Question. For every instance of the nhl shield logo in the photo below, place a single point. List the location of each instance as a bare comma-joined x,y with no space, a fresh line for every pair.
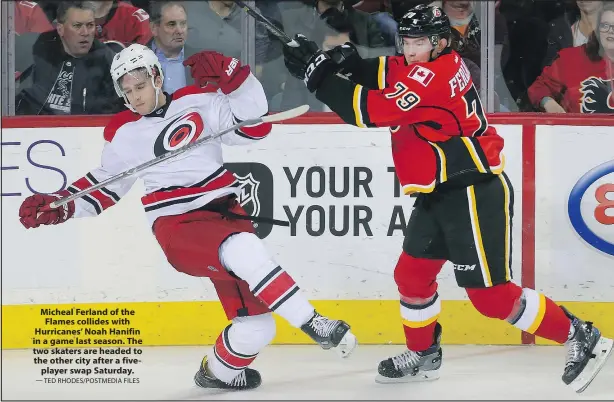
256,192
249,193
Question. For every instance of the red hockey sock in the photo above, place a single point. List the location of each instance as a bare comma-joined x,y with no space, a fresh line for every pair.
555,324
419,339
419,322
525,308
539,315
420,303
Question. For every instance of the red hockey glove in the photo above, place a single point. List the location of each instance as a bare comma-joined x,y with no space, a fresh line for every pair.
32,214
210,66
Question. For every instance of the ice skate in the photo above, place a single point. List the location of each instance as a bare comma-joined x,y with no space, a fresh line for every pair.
248,379
412,366
587,352
331,334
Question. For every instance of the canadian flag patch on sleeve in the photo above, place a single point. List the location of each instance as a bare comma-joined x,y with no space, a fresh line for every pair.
421,74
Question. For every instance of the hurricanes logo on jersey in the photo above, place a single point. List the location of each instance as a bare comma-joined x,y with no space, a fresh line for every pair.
183,130
596,96
249,193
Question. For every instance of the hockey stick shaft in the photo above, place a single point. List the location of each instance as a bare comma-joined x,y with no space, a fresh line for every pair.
288,114
267,24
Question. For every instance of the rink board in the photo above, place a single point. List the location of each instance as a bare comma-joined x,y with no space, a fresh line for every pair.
312,172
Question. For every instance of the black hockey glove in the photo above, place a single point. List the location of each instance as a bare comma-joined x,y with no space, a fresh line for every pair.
346,57
307,62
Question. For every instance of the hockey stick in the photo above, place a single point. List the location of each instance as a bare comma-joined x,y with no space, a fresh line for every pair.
267,24
288,114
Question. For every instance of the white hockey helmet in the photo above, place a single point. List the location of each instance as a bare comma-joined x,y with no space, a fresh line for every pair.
131,58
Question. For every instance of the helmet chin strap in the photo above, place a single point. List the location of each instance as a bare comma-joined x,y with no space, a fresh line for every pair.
434,42
432,56
153,79
157,100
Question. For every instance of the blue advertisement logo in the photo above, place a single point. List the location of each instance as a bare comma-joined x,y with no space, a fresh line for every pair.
575,202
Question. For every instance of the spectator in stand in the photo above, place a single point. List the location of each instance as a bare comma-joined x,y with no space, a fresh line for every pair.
466,39
144,4
219,29
465,28
466,32
71,72
121,22
572,28
527,22
579,80
30,21
169,26
338,30
309,21
30,18
381,11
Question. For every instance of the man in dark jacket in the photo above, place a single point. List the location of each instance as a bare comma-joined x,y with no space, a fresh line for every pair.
71,73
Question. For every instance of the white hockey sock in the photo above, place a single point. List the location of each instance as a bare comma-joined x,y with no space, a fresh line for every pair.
239,344
245,255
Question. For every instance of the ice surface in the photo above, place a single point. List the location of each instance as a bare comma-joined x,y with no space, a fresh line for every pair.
309,373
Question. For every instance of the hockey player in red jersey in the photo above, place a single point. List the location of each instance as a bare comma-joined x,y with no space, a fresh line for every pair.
122,22
444,151
191,203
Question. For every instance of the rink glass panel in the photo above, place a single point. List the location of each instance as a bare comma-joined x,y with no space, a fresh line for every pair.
511,40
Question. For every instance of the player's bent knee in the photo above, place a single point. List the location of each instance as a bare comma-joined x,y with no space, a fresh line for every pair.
416,277
497,301
245,255
251,334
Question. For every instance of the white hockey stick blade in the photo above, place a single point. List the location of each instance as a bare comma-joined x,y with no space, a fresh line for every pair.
286,115
421,376
602,351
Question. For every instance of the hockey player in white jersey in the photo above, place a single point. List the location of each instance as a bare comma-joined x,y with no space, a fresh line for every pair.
190,201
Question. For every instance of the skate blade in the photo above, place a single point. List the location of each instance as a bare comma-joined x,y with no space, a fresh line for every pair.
602,351
205,384
347,345
422,376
